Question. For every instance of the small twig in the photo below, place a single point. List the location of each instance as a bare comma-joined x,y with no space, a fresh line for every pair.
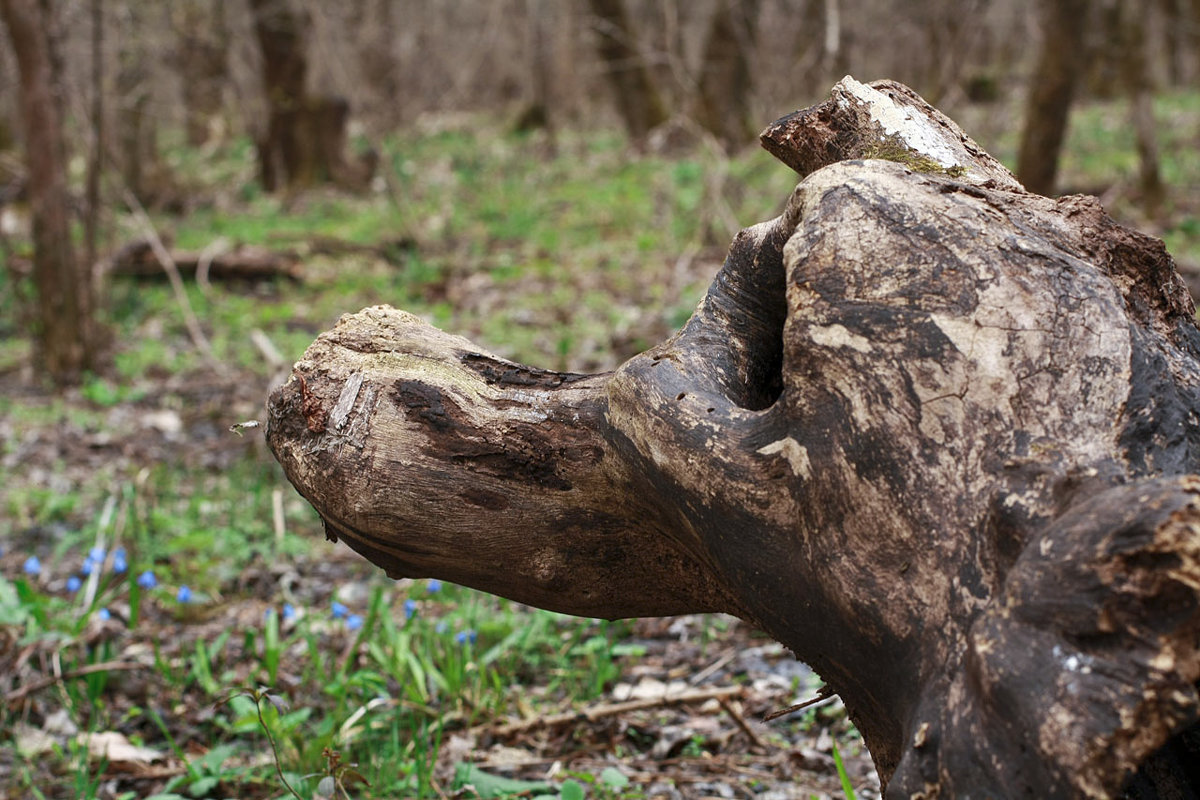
700,676
824,693
87,669
267,349
599,712
168,264
217,248
739,721
274,750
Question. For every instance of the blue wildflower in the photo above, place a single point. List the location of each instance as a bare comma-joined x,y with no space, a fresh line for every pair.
104,615
339,610
89,566
354,622
119,564
73,583
147,580
466,637
184,595
32,566
434,585
97,554
289,612
410,608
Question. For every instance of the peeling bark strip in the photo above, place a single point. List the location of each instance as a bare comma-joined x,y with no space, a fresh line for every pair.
935,434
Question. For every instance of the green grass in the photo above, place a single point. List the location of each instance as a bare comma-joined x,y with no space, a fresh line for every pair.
843,778
432,657
551,259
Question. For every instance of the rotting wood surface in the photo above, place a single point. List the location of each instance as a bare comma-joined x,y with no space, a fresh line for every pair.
935,434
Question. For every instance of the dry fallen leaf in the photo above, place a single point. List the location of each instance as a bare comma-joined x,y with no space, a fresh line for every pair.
647,689
31,741
116,748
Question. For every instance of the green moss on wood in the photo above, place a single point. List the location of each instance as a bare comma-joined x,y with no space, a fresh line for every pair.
892,149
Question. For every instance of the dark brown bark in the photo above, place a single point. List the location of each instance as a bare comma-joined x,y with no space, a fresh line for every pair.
1051,92
7,131
202,63
305,138
66,330
934,433
282,157
723,97
634,92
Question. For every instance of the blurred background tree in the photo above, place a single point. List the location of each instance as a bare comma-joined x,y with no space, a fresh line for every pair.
202,55
319,87
64,327
223,67
1051,91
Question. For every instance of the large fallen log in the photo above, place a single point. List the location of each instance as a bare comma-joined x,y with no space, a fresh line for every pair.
242,263
935,434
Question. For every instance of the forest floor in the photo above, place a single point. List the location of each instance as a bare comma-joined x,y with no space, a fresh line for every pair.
162,586
117,688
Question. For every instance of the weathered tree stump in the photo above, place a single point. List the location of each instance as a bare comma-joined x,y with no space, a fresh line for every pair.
935,434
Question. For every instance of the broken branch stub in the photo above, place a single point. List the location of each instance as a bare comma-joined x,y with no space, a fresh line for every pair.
935,434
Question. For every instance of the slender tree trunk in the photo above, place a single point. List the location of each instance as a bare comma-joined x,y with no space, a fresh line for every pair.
1190,13
723,99
637,98
136,125
536,113
7,125
1139,85
95,156
66,329
282,155
1051,92
833,53
203,64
